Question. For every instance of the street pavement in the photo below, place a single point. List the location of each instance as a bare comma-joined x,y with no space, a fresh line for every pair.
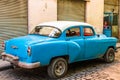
85,70
118,45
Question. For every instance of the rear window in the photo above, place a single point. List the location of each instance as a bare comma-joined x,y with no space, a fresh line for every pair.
46,31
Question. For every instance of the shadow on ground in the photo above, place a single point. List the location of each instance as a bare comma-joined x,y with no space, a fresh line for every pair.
41,73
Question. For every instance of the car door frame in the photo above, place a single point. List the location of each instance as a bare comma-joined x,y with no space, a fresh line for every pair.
91,51
71,41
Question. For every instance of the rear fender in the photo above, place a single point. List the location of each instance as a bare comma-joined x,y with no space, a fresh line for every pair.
44,52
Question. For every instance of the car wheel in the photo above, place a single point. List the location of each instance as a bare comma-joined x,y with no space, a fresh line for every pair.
109,55
58,68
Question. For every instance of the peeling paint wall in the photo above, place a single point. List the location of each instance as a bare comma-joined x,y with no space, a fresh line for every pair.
94,14
41,11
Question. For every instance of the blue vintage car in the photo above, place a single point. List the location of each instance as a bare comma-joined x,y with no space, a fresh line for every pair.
56,44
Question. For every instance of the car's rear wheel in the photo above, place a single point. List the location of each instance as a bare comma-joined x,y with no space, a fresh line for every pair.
109,55
58,68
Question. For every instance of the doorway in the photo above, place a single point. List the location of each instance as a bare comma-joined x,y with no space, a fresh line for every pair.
111,21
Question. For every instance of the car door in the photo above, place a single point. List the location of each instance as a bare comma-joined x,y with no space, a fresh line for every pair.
75,43
91,43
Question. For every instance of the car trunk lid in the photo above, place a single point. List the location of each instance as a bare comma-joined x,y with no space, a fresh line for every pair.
18,46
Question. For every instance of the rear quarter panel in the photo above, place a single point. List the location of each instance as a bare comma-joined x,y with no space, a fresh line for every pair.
44,52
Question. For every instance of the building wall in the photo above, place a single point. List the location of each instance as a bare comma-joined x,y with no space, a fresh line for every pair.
111,6
41,11
46,10
94,14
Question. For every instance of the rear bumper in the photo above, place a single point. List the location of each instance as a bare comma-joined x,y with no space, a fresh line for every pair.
15,61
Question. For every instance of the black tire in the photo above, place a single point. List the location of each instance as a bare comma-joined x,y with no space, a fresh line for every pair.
109,55
57,68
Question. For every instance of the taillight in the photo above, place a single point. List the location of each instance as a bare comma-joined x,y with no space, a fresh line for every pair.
29,51
3,44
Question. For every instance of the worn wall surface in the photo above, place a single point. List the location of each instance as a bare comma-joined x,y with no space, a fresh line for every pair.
41,11
111,6
46,10
94,14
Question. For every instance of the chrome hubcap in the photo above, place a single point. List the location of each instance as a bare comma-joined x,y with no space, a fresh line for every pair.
111,56
59,68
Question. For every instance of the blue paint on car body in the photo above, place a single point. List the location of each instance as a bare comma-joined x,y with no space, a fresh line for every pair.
45,48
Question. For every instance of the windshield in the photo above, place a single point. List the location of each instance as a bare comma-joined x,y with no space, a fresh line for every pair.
46,31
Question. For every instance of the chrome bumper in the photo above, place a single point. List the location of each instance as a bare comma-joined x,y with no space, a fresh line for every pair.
15,61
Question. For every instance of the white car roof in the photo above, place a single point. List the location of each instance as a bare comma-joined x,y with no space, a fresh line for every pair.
62,25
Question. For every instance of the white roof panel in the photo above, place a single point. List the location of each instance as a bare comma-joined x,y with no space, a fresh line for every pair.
62,25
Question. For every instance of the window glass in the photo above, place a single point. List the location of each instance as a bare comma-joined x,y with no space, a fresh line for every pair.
73,32
88,32
46,31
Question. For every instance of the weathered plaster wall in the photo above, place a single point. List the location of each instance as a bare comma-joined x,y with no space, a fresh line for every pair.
111,5
41,11
94,14
46,10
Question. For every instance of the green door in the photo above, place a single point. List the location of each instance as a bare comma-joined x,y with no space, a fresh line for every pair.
71,10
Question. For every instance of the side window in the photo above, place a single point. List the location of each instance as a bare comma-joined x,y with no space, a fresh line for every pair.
88,31
73,32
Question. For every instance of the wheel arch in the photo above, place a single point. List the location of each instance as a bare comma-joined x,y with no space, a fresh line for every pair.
111,47
108,48
66,57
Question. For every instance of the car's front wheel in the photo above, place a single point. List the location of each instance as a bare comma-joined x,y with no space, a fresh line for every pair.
58,68
109,55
